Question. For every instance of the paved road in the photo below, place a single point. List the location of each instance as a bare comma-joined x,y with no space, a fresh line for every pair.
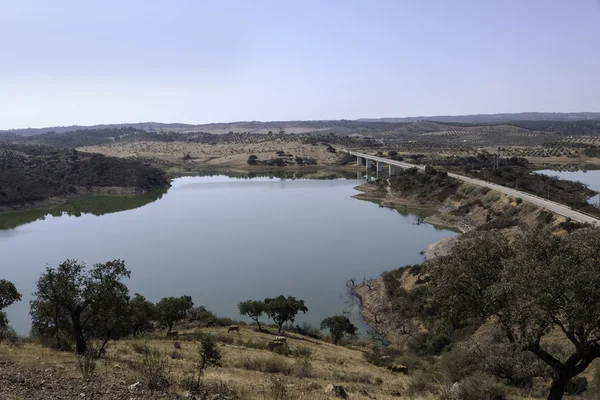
539,201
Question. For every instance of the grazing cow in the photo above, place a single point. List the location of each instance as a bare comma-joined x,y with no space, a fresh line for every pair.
173,334
398,368
177,345
234,328
280,339
210,323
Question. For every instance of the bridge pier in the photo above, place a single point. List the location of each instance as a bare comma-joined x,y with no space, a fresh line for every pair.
379,166
368,164
392,170
359,161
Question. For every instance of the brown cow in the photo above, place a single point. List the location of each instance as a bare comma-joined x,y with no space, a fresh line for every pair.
234,328
173,334
398,368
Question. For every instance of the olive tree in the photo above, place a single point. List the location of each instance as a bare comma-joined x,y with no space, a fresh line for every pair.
253,309
281,309
339,325
540,284
173,309
81,304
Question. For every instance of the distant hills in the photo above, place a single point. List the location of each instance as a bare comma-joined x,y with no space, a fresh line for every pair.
494,118
342,126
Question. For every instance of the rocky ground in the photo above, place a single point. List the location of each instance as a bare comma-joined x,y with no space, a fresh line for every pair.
19,382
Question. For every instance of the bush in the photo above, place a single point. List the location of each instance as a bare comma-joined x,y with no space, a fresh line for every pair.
141,348
272,365
422,383
87,363
153,369
302,352
210,355
303,368
481,387
282,350
576,385
223,338
519,200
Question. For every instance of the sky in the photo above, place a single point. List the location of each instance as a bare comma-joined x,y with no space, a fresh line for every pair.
84,62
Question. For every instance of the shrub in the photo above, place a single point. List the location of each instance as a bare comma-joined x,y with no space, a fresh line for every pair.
303,368
153,369
481,387
277,389
272,365
87,363
210,355
223,338
282,350
141,348
252,159
176,355
302,352
576,385
422,383
519,200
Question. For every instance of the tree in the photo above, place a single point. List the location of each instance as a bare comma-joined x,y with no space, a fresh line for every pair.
339,326
252,159
253,309
80,304
546,284
141,314
8,296
281,310
173,309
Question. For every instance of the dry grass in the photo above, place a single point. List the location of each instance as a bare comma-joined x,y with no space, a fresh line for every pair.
206,155
250,373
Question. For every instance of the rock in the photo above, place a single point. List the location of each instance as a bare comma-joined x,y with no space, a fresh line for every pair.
135,386
81,394
336,390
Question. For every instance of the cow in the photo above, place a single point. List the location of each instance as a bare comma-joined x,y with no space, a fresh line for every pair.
398,368
210,323
234,328
280,339
173,334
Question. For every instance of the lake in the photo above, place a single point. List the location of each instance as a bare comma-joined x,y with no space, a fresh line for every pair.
221,240
590,178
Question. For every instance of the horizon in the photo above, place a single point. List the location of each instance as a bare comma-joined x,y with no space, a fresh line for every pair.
76,64
368,119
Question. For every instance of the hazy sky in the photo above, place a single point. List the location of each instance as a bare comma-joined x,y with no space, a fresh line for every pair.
67,62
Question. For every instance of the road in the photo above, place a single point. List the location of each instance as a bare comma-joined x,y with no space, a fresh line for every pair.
539,201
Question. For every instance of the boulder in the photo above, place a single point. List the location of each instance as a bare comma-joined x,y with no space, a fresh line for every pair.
337,391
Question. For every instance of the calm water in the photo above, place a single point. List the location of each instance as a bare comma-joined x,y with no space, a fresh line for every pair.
590,178
221,240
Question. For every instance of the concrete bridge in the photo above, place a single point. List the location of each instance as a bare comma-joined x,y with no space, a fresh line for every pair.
561,209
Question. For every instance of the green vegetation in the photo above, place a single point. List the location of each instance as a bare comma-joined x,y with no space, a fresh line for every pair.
281,309
173,309
78,304
339,326
8,296
433,185
253,309
31,173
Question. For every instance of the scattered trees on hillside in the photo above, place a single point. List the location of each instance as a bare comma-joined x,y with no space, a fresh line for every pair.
72,302
173,309
339,326
281,309
536,285
8,296
253,309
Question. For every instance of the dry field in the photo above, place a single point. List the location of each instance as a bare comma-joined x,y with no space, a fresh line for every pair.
230,155
249,370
